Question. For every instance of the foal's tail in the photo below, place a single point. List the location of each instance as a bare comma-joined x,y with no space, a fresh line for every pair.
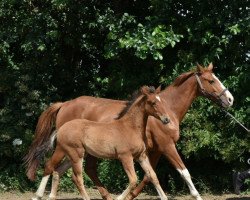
41,143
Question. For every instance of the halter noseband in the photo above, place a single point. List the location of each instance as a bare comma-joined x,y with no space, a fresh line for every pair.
210,94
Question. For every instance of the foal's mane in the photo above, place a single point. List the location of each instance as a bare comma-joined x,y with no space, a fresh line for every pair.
183,77
133,98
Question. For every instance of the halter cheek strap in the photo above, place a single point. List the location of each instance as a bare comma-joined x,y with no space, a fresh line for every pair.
209,94
199,82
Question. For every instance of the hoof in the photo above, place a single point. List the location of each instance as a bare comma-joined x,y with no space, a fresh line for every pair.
131,196
198,198
51,198
36,198
108,197
164,198
120,197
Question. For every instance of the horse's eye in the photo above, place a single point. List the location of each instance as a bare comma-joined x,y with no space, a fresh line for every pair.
211,81
153,103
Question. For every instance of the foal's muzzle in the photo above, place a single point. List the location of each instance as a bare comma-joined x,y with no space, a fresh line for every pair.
164,119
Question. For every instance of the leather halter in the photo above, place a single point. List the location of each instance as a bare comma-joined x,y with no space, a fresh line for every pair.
210,94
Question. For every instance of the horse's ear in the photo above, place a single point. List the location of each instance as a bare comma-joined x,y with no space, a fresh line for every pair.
199,68
158,90
210,67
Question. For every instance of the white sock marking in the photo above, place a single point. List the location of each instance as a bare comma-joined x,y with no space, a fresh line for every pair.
186,176
41,189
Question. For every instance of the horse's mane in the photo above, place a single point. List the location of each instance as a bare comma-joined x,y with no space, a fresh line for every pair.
133,98
183,77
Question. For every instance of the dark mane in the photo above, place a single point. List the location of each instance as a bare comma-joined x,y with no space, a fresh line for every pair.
134,96
183,77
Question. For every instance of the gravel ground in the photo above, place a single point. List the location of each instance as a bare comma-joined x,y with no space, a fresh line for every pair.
95,196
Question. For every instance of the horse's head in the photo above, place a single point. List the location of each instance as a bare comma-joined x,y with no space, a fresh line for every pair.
210,86
154,104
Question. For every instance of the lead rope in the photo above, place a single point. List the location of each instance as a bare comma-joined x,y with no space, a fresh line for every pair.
229,114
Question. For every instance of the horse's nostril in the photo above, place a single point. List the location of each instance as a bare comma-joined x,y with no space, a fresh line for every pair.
230,100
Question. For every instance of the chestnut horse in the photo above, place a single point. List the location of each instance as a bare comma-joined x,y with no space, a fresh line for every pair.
121,139
161,140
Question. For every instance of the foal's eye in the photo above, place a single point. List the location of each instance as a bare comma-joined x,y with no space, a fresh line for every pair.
153,103
211,81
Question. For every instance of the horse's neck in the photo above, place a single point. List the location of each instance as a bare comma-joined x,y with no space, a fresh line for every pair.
136,117
180,98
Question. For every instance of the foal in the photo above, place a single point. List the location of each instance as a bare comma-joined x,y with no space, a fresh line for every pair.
121,139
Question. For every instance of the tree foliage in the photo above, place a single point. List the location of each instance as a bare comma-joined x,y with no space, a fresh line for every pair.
56,50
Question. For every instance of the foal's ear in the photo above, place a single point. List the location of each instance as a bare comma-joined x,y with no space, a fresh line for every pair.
145,90
199,68
210,67
158,90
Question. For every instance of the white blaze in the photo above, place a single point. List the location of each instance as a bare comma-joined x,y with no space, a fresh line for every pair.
228,95
157,97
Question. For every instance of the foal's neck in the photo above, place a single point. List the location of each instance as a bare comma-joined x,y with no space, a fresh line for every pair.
136,117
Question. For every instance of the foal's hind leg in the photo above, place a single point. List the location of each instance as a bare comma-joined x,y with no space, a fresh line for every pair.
78,179
128,166
56,175
145,164
55,183
91,171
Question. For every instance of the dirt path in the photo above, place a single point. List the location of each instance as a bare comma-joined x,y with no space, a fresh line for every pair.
95,196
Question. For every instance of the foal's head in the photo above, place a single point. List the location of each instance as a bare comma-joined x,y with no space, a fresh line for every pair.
211,87
153,103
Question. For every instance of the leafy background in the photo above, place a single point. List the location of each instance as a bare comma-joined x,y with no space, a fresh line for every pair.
56,50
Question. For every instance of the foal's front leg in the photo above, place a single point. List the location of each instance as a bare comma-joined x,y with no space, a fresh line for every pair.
150,173
154,158
128,165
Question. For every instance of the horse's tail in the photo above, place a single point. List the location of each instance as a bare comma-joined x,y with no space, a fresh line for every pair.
41,143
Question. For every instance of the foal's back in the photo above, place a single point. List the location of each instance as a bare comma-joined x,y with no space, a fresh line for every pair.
103,140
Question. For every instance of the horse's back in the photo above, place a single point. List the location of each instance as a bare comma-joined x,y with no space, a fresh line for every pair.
91,108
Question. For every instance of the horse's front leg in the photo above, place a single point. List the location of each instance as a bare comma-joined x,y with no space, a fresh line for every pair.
173,156
91,171
154,158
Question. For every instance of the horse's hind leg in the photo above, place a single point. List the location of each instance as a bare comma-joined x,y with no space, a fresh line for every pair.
145,164
41,188
91,171
128,165
49,168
